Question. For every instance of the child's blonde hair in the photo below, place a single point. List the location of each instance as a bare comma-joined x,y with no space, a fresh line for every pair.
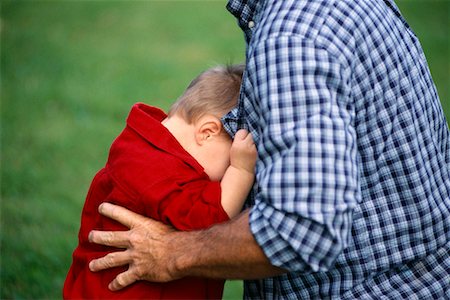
215,91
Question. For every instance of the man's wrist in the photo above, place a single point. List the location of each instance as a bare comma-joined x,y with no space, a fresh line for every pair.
226,250
183,254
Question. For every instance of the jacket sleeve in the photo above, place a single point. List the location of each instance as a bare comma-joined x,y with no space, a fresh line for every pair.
185,205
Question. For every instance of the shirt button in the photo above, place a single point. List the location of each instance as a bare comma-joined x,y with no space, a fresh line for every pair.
251,24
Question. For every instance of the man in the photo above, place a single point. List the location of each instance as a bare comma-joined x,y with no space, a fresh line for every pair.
353,178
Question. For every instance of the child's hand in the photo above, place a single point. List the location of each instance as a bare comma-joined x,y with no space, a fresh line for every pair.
243,152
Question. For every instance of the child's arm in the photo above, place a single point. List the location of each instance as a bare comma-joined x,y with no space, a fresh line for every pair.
238,178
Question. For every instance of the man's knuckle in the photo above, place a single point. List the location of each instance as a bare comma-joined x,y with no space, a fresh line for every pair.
133,239
120,280
109,260
109,237
140,272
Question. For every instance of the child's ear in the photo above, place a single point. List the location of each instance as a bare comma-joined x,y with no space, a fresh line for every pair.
207,128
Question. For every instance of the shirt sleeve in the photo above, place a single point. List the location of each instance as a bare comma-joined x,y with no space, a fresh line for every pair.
307,173
185,205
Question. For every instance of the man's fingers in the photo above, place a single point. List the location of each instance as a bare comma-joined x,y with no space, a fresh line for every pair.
120,214
122,280
111,260
118,239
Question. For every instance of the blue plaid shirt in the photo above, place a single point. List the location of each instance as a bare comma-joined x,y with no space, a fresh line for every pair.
353,176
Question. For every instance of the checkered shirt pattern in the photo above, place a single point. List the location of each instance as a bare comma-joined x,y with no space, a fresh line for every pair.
353,175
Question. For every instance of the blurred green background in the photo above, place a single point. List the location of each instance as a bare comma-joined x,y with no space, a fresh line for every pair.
70,70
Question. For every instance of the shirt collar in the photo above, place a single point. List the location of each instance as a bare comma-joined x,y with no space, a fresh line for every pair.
146,120
243,10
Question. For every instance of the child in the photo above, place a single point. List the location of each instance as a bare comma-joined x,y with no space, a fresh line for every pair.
182,169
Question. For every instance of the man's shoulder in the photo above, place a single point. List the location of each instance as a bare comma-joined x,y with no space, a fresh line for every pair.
307,19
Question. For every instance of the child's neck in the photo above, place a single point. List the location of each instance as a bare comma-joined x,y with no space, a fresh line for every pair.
181,130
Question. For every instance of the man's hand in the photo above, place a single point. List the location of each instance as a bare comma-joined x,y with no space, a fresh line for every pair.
156,252
147,244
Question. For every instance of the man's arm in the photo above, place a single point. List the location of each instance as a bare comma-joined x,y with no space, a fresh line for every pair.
156,252
300,102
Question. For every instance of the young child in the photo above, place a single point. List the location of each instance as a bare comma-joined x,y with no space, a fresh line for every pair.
182,169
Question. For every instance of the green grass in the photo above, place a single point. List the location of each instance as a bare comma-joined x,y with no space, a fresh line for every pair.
430,20
70,71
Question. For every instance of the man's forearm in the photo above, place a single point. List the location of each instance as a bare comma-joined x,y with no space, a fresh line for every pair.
227,251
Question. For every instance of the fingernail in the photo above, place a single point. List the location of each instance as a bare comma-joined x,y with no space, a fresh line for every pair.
91,266
90,237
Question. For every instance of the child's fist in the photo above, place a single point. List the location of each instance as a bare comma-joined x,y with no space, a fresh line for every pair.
243,152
